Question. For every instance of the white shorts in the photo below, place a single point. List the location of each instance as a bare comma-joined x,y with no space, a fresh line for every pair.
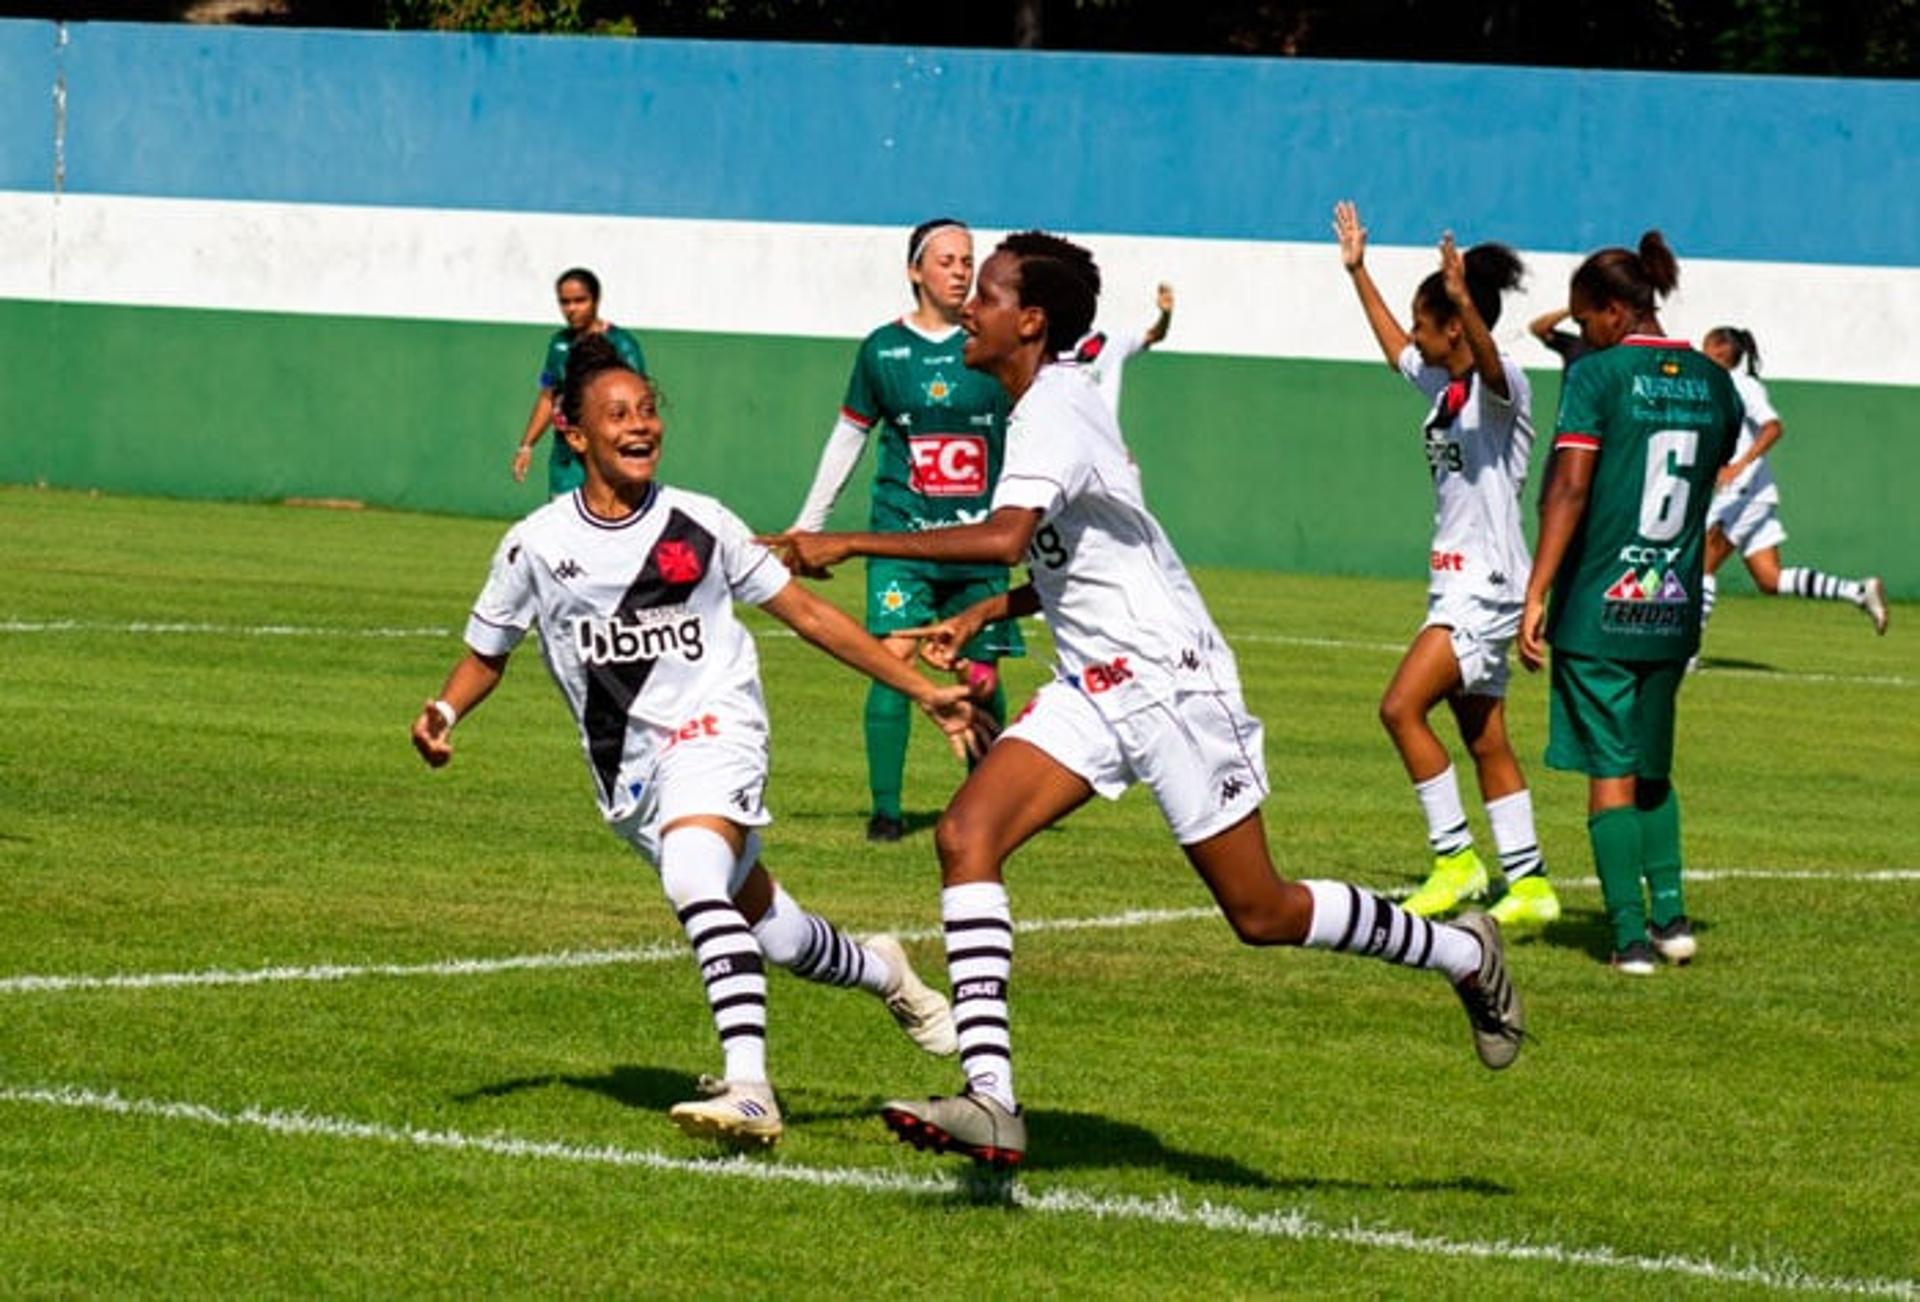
1751,521
724,778
1481,632
1200,753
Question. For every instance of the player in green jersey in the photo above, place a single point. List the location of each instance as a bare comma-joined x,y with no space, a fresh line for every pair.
939,432
1645,425
579,293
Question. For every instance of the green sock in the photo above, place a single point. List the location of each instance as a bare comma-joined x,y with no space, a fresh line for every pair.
888,716
1615,836
1660,858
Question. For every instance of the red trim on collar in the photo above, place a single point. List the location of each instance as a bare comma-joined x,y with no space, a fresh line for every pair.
1654,341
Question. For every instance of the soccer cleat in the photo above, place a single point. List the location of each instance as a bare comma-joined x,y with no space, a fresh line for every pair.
1674,942
1635,960
1455,877
740,1113
1528,906
1492,1004
885,828
973,1124
1873,600
920,1010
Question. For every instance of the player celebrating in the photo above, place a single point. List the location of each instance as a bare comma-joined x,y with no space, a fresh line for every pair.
579,292
1745,510
942,431
1645,425
1145,690
1479,437
632,586
1105,352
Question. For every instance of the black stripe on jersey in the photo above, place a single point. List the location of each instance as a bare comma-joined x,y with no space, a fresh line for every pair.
611,688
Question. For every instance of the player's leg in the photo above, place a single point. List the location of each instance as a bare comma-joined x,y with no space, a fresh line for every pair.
1529,902
1869,594
1657,810
1719,547
1428,674
897,598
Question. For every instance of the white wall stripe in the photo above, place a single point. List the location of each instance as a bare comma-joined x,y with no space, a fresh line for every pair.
1237,297
1166,1209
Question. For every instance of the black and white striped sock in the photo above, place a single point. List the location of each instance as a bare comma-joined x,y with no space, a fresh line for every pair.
695,865
979,930
1800,581
1354,921
812,948
1446,817
1709,594
1514,837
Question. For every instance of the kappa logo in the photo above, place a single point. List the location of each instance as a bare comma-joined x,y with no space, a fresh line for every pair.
745,799
677,561
1230,790
1190,660
567,569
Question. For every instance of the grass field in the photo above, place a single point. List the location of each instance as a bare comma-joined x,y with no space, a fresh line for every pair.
240,1052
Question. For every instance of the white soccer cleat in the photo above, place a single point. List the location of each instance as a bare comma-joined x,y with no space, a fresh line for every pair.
919,1010
740,1113
1873,600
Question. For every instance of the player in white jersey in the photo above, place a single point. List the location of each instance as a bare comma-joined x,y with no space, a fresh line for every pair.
1478,437
631,584
1105,352
1145,690
1745,514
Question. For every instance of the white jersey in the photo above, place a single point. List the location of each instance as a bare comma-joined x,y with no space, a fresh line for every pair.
1128,625
636,625
1107,361
1755,483
1478,447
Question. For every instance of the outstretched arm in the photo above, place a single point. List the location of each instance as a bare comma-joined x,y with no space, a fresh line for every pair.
471,682
1000,539
1162,299
1486,355
1353,256
1563,504
940,643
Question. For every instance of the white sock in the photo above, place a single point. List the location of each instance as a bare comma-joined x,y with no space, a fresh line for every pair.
979,930
812,948
1446,817
696,865
1709,593
1514,837
1354,921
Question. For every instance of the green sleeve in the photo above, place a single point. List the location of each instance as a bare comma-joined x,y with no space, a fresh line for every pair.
1580,402
553,368
628,348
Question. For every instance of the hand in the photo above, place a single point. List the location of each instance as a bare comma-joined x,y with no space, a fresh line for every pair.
1453,270
940,643
809,555
1353,236
1533,624
1163,297
432,737
522,459
1729,472
969,731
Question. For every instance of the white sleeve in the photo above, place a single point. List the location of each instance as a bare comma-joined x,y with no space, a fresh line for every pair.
505,608
754,574
1430,380
837,460
1754,395
1123,344
1043,468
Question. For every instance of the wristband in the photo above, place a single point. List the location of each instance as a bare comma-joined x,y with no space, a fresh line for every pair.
445,711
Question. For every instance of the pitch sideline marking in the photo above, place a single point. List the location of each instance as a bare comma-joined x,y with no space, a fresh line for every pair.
589,958
1166,1209
1264,639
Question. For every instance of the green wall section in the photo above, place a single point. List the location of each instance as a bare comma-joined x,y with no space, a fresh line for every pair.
1256,463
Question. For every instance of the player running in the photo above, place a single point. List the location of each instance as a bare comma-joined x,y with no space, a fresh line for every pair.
1479,439
1746,503
941,431
1145,690
1105,352
579,293
632,584
1645,425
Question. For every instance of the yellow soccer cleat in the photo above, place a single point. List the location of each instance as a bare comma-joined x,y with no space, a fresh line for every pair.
1456,877
1528,906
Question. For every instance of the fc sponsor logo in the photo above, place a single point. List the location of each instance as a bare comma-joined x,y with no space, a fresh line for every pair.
616,641
948,465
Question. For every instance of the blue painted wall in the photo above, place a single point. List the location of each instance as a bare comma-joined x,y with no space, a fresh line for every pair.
27,75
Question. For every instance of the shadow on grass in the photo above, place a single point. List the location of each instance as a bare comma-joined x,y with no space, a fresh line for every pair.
1587,931
1728,662
651,1088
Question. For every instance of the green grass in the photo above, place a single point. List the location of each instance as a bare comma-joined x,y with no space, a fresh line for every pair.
175,801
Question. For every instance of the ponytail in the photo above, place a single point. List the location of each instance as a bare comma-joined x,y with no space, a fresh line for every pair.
1637,278
1492,270
1740,343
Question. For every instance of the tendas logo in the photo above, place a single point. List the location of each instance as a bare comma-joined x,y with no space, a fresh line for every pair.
1649,602
616,641
677,561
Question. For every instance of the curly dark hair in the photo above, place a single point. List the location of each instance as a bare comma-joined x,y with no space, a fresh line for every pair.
1061,279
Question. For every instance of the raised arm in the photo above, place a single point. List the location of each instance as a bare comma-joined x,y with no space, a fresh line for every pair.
1486,355
1353,256
1542,326
1563,504
1162,299
471,682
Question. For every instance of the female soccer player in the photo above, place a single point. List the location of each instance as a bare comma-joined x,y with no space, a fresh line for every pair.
1645,425
1745,510
1145,690
579,293
632,586
941,434
1478,438
1567,344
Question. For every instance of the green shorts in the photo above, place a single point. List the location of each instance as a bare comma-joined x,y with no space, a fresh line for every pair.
908,594
1612,718
565,471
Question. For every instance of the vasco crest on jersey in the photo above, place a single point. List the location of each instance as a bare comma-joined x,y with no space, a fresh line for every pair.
677,561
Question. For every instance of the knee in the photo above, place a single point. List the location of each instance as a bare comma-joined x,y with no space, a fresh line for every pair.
1397,713
962,841
1651,793
1277,918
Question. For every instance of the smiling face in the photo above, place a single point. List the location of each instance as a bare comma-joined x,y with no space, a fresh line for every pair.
1437,343
945,270
620,431
997,326
577,305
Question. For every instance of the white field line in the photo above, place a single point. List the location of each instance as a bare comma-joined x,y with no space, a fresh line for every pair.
589,958
1254,638
1167,1209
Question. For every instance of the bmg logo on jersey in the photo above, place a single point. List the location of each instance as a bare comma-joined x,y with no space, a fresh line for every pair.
616,641
948,465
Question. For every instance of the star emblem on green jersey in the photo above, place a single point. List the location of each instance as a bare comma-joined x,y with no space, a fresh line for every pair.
938,390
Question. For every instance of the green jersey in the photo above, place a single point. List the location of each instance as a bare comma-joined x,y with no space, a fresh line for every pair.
941,432
1661,419
564,470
